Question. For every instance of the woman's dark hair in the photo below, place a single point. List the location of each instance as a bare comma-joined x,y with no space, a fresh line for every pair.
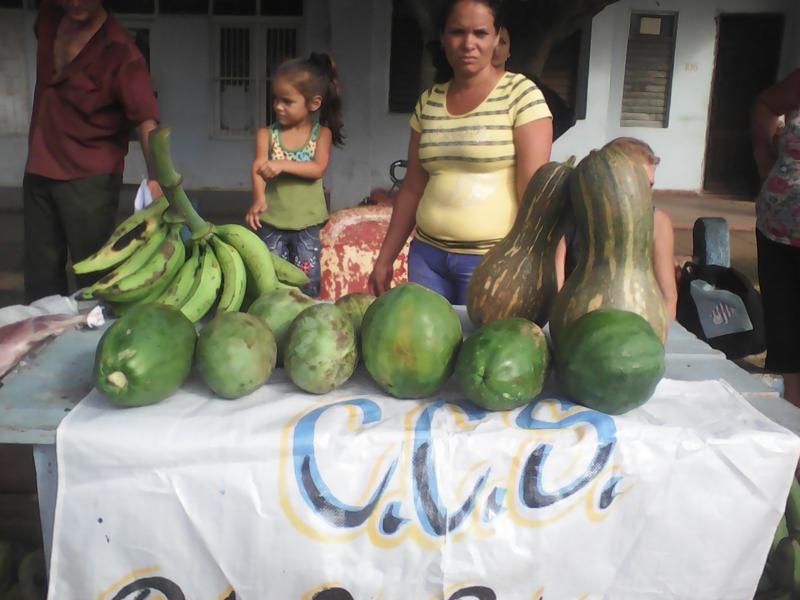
317,76
443,70
446,7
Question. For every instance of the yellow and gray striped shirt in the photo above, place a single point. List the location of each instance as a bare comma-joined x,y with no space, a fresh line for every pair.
470,200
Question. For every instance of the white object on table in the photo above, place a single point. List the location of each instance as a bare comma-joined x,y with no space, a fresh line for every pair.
403,499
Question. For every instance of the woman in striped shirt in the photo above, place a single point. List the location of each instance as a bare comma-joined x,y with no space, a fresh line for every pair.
476,140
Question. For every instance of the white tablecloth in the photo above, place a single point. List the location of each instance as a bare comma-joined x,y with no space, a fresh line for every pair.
285,495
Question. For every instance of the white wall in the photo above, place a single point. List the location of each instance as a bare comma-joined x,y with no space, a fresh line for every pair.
682,144
357,33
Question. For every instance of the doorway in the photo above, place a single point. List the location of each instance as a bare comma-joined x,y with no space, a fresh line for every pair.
748,53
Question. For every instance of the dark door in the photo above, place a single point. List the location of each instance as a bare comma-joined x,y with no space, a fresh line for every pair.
748,52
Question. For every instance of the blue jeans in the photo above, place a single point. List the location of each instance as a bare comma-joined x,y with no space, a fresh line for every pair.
447,273
301,248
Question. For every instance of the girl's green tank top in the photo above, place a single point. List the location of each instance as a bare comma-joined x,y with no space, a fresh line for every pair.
294,202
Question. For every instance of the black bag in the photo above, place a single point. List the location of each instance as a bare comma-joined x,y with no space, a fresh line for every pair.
721,307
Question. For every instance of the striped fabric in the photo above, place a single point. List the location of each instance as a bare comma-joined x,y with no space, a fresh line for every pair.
470,200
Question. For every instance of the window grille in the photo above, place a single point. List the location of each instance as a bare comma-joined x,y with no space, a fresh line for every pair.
648,70
246,57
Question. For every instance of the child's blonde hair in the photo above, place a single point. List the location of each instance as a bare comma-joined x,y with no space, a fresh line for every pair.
635,148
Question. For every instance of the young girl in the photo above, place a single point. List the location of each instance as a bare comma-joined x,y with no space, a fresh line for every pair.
291,157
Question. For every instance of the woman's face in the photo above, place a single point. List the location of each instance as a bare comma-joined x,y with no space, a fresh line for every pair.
469,38
503,49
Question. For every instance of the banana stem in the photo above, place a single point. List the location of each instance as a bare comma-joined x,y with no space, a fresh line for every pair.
170,180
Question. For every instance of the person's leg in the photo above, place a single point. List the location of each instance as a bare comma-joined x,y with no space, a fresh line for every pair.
426,266
779,280
460,267
307,251
276,240
45,245
88,210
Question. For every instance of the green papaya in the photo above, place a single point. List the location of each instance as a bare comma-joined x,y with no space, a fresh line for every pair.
355,305
320,349
144,356
503,364
236,354
278,308
409,341
609,360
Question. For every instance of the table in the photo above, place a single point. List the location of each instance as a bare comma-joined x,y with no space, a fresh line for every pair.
55,377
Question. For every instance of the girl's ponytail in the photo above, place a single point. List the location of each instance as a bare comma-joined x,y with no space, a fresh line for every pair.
330,113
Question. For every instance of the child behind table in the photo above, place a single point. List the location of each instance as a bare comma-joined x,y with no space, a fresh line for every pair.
291,156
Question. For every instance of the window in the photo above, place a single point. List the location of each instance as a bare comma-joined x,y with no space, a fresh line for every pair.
119,7
648,70
245,57
405,60
567,69
183,7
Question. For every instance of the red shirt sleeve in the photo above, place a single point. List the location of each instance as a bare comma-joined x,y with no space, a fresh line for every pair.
135,90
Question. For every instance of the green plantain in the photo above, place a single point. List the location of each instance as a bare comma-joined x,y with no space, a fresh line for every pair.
164,263
288,273
129,236
255,254
179,288
133,263
234,276
206,287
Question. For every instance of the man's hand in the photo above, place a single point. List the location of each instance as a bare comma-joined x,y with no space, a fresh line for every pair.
155,189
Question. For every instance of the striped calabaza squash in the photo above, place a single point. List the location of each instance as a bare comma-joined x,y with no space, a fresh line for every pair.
613,211
516,278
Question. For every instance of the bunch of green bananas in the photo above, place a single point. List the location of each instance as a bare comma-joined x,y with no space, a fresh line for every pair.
221,265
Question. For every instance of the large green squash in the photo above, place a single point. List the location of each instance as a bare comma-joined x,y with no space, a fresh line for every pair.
236,354
609,360
409,340
613,210
503,364
144,356
517,276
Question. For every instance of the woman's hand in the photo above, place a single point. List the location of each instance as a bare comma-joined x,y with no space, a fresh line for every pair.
380,280
251,217
270,168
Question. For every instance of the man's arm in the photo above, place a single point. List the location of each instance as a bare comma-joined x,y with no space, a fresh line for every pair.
143,131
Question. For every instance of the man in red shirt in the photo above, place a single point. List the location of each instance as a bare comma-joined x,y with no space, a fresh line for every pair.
92,86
